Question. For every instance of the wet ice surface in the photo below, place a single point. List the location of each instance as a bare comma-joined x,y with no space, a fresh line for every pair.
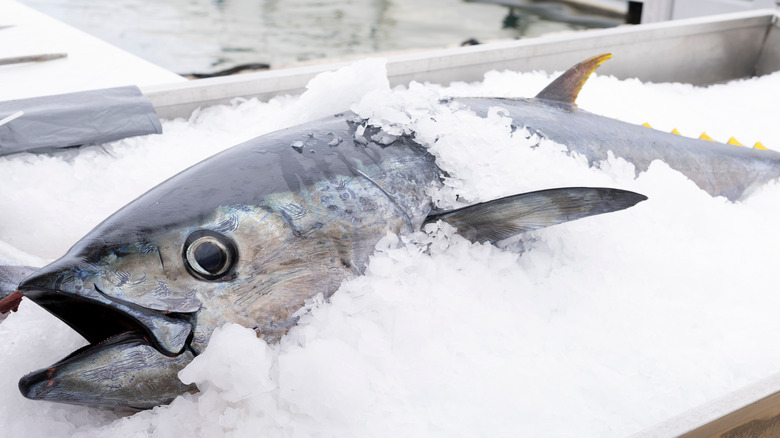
602,328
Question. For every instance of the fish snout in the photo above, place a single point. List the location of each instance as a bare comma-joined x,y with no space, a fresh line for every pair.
60,277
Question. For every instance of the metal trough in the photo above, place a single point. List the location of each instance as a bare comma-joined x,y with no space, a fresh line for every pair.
699,51
752,412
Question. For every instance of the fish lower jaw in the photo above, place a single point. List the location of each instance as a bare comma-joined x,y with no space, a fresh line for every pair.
122,367
124,371
44,384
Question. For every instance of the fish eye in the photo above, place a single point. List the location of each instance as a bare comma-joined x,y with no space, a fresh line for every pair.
208,254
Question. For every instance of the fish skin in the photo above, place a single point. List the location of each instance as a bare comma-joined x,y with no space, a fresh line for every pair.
717,168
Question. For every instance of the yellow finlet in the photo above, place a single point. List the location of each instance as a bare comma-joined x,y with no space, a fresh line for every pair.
704,136
734,141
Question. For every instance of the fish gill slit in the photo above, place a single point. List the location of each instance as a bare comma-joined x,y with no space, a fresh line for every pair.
391,198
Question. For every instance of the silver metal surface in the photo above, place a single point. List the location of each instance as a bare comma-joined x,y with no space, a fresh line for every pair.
700,51
769,60
663,10
730,415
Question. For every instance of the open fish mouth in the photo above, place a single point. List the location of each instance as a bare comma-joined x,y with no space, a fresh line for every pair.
94,321
123,365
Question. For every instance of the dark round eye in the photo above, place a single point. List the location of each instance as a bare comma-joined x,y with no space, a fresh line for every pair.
208,254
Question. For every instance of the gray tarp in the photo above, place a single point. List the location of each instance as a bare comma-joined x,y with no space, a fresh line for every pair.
87,117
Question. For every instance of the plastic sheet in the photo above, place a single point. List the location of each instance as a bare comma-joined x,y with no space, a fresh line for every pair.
88,117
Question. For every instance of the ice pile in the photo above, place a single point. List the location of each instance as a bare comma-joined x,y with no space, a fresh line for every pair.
602,327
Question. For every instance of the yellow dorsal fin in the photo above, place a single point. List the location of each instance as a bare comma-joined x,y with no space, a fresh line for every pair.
734,141
567,86
758,145
646,125
704,136
675,131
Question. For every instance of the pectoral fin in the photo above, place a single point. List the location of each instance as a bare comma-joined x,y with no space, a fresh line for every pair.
502,218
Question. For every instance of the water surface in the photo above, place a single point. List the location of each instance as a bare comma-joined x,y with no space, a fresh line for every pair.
209,35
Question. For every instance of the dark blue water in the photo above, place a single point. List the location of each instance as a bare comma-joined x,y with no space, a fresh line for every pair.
210,35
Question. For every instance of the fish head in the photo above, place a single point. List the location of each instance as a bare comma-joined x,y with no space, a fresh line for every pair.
135,296
147,297
246,236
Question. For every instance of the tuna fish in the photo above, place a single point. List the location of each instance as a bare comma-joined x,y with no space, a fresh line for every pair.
247,236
